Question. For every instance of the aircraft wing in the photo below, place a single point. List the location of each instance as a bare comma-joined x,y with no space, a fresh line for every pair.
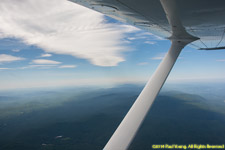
199,23
201,18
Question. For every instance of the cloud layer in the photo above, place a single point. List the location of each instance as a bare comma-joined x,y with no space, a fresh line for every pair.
160,56
63,27
68,66
9,58
46,55
45,62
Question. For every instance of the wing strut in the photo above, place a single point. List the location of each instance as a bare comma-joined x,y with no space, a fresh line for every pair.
127,129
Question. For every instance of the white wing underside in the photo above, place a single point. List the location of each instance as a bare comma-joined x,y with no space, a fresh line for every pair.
200,18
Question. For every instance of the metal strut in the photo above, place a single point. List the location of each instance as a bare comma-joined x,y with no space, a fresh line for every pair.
128,128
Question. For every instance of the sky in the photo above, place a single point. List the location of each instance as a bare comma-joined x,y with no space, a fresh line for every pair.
59,43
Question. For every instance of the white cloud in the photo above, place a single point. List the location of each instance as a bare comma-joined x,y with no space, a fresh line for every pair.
220,60
37,66
149,42
16,50
159,56
143,63
5,68
45,62
68,66
63,27
46,55
42,65
9,58
131,38
148,35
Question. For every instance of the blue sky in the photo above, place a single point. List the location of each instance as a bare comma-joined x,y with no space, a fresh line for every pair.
64,44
